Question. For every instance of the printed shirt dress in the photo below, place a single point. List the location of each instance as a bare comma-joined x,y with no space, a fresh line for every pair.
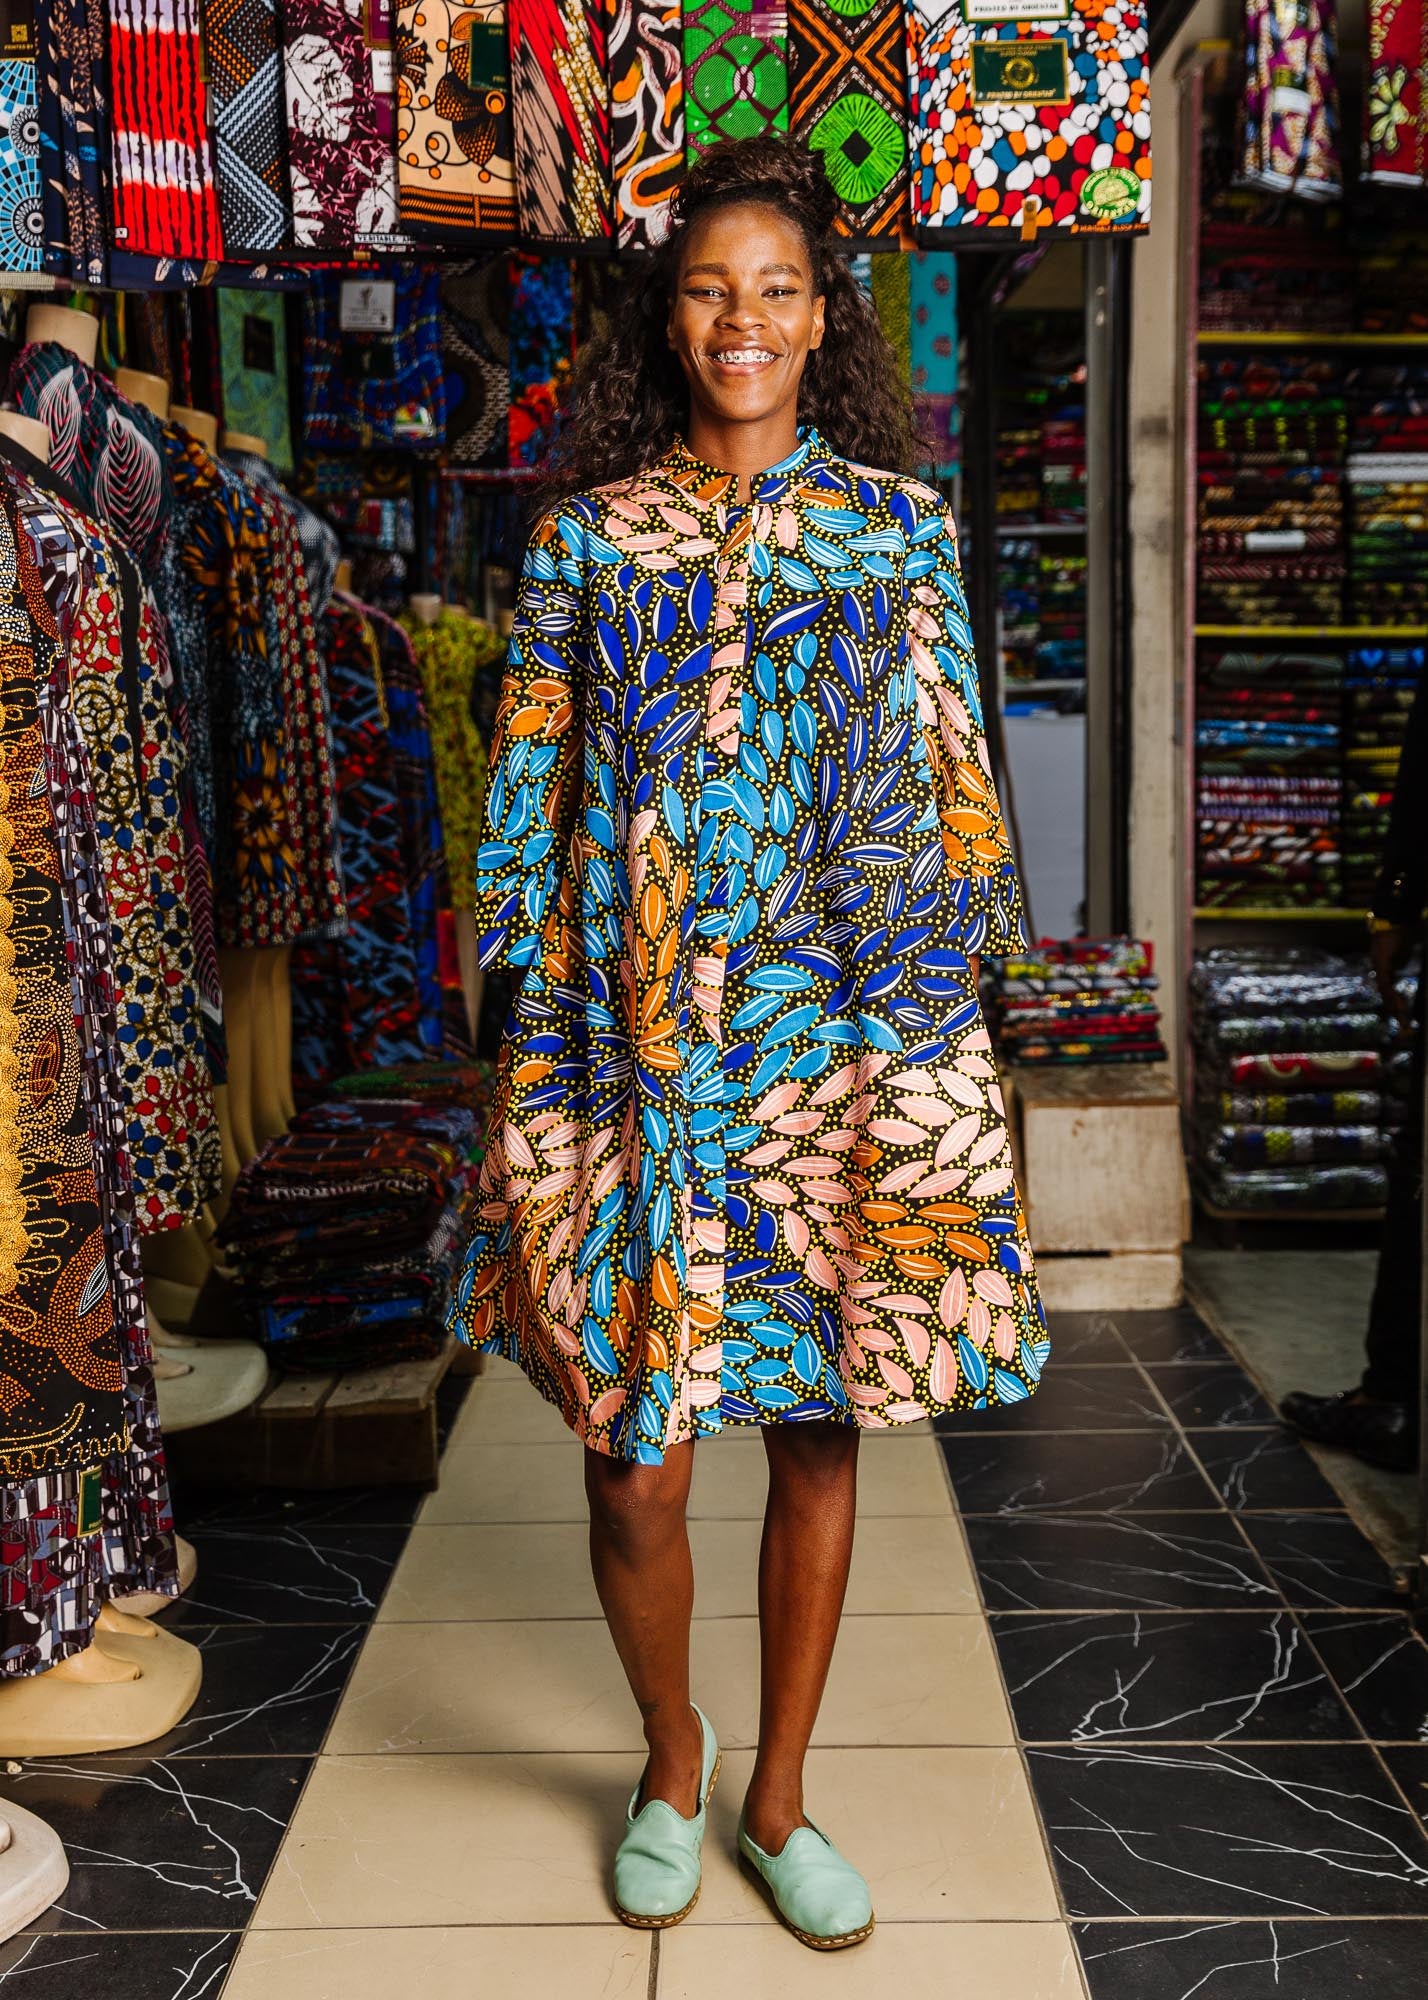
748,1160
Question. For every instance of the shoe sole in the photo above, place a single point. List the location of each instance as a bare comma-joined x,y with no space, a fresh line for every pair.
638,1923
815,1943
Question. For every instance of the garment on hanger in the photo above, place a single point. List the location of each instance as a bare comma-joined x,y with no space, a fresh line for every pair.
562,119
22,225
321,549
337,61
892,301
448,653
1005,109
932,288
646,67
847,88
355,997
163,189
475,354
1395,106
253,345
74,133
347,407
456,176
542,334
735,71
245,70
1289,114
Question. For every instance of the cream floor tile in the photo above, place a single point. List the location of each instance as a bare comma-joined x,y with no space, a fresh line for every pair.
942,1835
914,1961
486,1479
547,1685
496,1962
503,1408
390,1842
468,1571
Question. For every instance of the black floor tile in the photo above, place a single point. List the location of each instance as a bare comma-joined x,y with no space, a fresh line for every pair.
1254,1961
1205,1395
1307,1829
348,1507
1321,1559
1381,1667
1085,1337
1136,1471
268,1690
1259,1470
287,1575
450,1395
1070,1398
1192,1678
1136,1562
176,1846
1178,1334
159,1965
1408,1763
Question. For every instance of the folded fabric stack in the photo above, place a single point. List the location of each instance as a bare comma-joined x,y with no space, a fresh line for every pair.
1272,439
1289,1072
1391,291
1061,598
1388,538
1268,780
1063,465
1019,594
1018,476
1084,1000
1380,683
347,1232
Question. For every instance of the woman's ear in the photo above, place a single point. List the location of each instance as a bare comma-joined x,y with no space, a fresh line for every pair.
815,339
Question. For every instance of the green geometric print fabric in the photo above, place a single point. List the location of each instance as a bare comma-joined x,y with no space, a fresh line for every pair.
735,72
847,63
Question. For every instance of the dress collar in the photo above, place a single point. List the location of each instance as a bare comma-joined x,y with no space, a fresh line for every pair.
711,482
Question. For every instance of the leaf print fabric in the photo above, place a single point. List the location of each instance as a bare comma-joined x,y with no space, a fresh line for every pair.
337,57
646,116
748,1160
562,114
735,71
847,80
456,178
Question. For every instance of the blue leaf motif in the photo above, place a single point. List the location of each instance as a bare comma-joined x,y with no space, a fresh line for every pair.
974,1364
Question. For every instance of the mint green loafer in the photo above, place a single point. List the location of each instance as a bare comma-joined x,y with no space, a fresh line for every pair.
821,1897
657,1862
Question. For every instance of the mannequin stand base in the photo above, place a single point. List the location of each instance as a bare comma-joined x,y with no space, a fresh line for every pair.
47,1715
172,1302
33,1869
148,1602
224,1377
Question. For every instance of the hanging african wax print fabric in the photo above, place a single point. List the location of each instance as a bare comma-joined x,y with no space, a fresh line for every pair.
61,1384
475,356
456,179
164,189
337,62
1395,104
1018,119
646,116
735,71
932,293
245,69
562,119
1289,113
542,349
253,344
74,132
360,389
793,1197
22,225
847,86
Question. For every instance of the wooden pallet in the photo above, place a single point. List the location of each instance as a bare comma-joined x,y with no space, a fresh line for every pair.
362,1427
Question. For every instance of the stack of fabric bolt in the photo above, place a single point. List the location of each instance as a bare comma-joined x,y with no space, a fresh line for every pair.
1268,781
1272,440
1391,282
1061,596
1380,683
347,1232
1388,489
1084,1000
1018,593
1255,279
1063,464
1289,1076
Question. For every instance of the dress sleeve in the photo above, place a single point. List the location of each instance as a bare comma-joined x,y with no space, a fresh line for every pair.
950,704
534,751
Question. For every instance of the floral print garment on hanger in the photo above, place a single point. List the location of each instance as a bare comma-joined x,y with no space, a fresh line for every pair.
748,1160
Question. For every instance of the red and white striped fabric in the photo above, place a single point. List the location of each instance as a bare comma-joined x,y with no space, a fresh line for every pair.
165,190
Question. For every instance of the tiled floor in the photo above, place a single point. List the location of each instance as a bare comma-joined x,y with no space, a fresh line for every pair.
1146,1722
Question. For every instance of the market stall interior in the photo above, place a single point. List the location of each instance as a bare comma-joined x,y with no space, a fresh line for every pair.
289,295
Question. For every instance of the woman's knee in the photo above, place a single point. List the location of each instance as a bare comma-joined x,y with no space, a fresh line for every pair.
815,1455
635,1504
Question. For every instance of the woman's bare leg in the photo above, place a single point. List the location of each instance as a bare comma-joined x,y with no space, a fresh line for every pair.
639,1552
803,1575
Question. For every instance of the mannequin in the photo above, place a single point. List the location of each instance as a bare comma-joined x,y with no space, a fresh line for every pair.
260,1031
133,1682
27,431
33,1869
425,606
67,327
201,424
150,390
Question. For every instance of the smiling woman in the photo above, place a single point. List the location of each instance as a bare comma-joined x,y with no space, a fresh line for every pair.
748,1163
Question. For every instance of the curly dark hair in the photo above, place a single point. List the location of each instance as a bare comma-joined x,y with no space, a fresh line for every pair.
628,399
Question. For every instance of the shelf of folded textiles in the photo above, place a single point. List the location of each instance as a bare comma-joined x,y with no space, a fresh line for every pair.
1300,634
1216,1213
1039,530
490,475
1256,338
1276,914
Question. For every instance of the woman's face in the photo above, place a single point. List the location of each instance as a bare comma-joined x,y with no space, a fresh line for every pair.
745,313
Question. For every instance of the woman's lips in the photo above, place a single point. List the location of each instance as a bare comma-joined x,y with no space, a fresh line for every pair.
742,360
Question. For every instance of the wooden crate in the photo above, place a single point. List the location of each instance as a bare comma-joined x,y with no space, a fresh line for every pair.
363,1427
1102,1171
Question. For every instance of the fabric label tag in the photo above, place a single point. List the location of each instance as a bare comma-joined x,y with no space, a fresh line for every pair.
1020,72
367,305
